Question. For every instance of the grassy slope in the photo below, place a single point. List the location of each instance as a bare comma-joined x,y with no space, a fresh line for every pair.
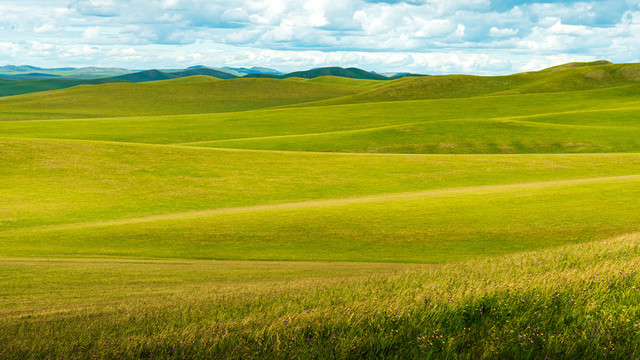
347,81
567,132
94,199
431,227
462,86
166,97
17,87
211,127
106,181
96,279
232,95
97,183
573,302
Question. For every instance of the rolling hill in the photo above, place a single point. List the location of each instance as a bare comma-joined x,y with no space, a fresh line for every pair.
142,76
564,78
568,77
327,217
601,120
188,96
229,95
351,73
30,76
156,75
28,80
36,82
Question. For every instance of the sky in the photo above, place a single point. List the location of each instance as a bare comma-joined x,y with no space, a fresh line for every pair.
483,37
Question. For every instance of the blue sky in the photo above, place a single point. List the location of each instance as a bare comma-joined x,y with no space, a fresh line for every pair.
484,37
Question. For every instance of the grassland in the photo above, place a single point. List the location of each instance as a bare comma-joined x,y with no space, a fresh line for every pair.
571,302
328,218
191,95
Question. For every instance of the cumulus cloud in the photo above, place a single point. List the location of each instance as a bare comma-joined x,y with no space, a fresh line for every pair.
91,33
106,8
495,32
434,36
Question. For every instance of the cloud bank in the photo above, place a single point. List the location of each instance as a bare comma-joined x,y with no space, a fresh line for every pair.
427,36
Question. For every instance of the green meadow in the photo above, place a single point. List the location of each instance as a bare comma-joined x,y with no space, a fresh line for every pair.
438,217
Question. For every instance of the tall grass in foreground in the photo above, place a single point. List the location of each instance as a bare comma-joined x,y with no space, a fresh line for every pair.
578,301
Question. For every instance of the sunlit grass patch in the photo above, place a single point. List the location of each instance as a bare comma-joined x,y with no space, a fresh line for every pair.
571,302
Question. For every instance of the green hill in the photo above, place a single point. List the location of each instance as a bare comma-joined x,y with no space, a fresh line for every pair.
338,80
441,217
577,301
242,204
22,84
555,133
156,75
18,87
350,73
602,120
570,78
142,76
160,98
30,76
247,93
577,64
204,72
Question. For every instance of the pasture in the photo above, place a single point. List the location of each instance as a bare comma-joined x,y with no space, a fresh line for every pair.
436,217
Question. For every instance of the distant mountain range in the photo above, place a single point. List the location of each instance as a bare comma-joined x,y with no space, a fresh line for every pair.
15,80
153,75
241,71
24,72
353,73
28,72
29,68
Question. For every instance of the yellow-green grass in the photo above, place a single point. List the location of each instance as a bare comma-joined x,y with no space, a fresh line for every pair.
575,64
427,226
110,248
186,96
47,288
278,122
198,96
595,76
567,132
347,81
578,301
48,182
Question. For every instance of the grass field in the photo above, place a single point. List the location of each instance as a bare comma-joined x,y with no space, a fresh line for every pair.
191,95
437,217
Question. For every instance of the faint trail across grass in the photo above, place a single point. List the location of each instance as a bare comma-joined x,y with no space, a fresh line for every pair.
321,203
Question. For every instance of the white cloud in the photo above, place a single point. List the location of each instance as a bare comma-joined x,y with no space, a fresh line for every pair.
448,7
432,36
430,28
235,15
316,11
45,28
105,8
460,31
91,33
170,4
561,29
507,32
